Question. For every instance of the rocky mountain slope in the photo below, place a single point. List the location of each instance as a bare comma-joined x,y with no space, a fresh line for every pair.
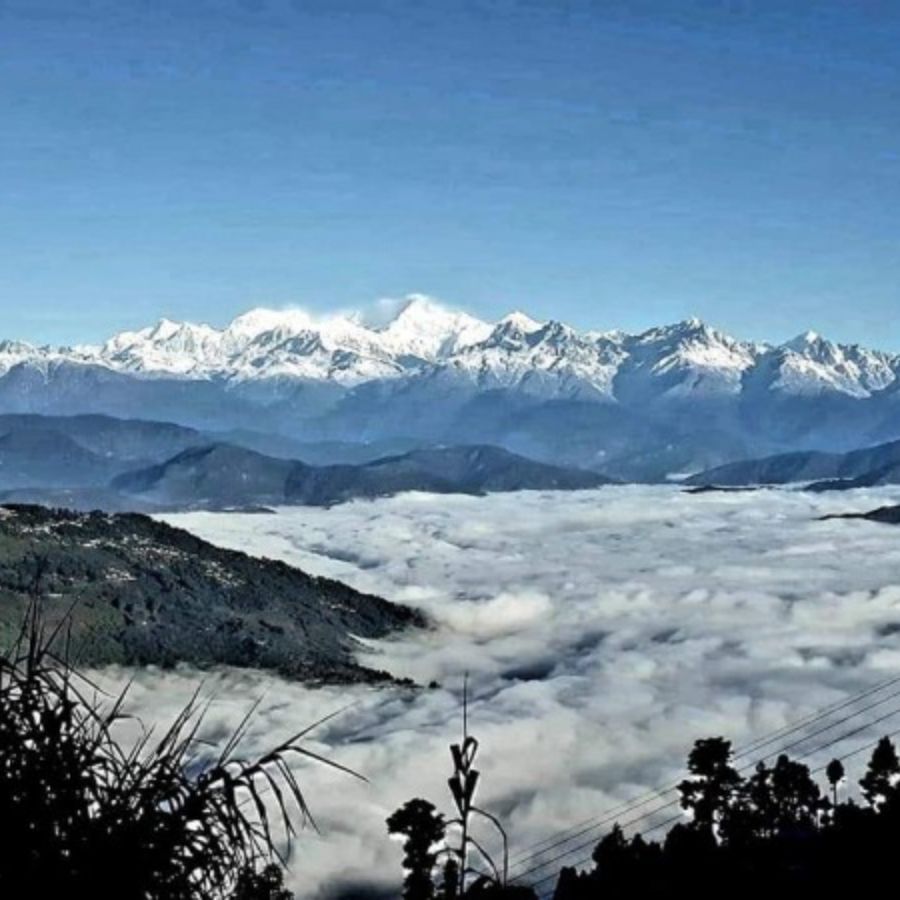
672,399
141,592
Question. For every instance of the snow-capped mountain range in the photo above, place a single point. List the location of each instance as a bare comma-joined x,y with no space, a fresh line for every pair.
425,339
436,374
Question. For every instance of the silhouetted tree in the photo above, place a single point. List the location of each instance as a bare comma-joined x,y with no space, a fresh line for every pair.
618,860
714,784
879,782
835,775
766,835
267,884
468,857
422,826
450,883
613,857
796,798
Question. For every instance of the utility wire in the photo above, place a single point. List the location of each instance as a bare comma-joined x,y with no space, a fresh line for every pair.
562,837
814,752
590,842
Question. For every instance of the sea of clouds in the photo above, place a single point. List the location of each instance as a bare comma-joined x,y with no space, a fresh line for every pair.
603,632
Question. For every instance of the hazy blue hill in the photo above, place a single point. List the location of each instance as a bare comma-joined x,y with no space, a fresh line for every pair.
46,457
214,476
121,439
859,468
315,453
223,476
780,469
876,477
142,592
79,499
483,468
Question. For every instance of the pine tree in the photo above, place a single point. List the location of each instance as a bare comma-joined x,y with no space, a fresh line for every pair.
835,775
423,827
611,854
878,784
714,785
797,800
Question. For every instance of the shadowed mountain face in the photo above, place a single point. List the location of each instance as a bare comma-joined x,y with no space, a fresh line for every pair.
868,467
142,592
224,476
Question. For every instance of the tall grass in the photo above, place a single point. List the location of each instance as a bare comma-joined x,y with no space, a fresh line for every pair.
168,818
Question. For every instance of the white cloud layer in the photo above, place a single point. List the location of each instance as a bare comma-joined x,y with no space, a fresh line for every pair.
603,631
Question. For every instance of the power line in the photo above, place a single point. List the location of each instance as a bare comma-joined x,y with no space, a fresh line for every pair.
673,819
562,837
581,846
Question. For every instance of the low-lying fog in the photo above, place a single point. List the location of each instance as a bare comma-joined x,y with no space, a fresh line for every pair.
603,631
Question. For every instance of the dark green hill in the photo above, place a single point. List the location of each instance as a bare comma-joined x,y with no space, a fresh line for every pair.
142,592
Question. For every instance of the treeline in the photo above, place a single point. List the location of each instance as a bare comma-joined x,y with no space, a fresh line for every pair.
777,831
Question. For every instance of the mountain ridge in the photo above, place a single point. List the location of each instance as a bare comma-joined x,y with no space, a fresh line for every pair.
226,476
671,400
424,336
865,467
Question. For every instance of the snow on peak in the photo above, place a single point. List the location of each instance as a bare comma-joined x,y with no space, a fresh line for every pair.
261,320
803,342
417,334
521,322
164,329
418,308
424,328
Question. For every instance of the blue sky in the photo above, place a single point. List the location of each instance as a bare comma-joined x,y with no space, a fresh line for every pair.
611,164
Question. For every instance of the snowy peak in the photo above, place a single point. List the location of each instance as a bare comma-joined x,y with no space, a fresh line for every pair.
520,322
420,337
702,358
425,329
803,342
260,321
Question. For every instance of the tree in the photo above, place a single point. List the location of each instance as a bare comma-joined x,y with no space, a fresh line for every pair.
714,785
422,826
878,784
450,883
612,856
835,775
267,884
796,798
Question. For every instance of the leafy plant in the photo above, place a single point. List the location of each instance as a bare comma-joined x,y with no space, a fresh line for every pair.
167,819
425,829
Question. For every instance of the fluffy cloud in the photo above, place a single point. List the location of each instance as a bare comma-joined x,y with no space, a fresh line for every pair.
603,631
